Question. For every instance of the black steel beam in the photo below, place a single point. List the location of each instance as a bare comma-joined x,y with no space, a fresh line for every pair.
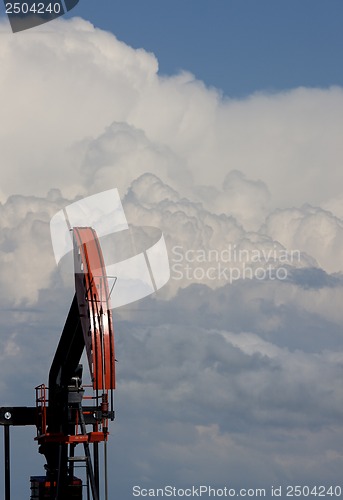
7,463
18,415
68,354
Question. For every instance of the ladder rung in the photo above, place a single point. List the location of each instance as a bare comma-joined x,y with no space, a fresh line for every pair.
77,459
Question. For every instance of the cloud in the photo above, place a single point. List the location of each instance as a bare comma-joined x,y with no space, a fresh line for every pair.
85,107
57,93
25,246
214,375
312,230
232,394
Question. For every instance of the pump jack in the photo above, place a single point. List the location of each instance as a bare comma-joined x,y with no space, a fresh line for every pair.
61,419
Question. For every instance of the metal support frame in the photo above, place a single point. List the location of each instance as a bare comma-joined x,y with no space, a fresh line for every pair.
96,465
94,488
7,462
59,416
17,416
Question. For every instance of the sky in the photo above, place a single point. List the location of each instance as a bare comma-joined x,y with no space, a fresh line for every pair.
237,47
220,123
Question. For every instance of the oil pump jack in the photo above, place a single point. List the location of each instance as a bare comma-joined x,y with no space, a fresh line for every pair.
62,419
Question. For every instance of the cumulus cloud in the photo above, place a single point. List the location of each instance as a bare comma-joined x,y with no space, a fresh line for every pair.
75,98
216,373
57,93
230,393
26,257
311,230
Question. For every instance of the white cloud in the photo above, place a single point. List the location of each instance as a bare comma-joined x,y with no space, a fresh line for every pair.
57,88
211,373
85,107
311,230
25,248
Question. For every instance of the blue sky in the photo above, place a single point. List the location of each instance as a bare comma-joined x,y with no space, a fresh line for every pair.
218,381
237,46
